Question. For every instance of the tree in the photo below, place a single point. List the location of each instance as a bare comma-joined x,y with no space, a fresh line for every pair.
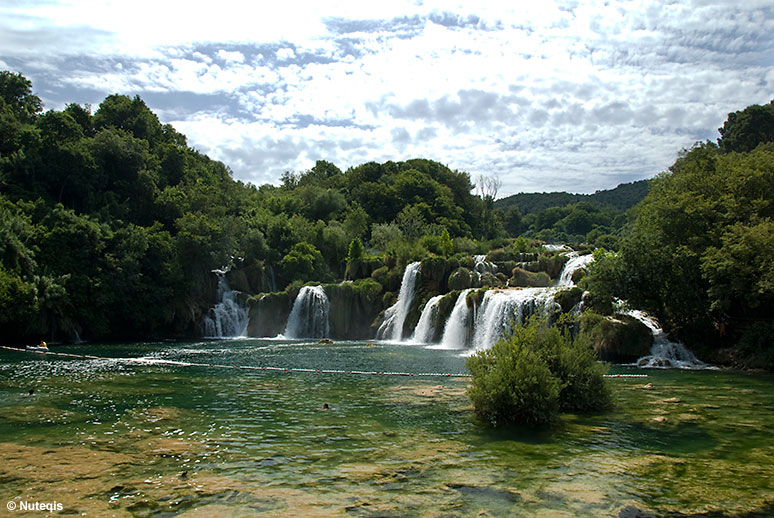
356,250
745,129
533,374
488,186
303,261
512,221
16,92
696,254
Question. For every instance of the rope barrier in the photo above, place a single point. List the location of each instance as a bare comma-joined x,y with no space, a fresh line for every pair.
150,361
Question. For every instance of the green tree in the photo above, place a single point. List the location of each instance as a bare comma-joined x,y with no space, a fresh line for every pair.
745,129
532,375
16,93
302,262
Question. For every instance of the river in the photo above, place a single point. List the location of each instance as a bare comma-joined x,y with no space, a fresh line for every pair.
117,438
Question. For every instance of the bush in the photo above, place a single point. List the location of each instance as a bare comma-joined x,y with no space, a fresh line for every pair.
529,377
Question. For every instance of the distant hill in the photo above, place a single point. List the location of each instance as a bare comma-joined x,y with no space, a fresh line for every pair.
621,198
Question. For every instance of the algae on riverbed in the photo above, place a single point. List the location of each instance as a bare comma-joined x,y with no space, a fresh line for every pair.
159,440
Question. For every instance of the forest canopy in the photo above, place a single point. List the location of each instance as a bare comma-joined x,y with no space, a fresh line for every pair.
110,224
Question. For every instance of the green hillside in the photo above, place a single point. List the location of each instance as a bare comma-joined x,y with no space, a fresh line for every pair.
622,198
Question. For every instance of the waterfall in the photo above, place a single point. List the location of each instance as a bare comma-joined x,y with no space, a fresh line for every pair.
395,315
501,309
665,353
423,333
576,262
455,333
309,316
229,317
481,266
271,281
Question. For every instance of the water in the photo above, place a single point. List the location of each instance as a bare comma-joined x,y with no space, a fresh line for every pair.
395,315
457,329
664,353
229,317
111,438
309,317
501,309
498,311
575,263
428,320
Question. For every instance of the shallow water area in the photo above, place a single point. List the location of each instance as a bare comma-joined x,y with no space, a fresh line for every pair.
116,438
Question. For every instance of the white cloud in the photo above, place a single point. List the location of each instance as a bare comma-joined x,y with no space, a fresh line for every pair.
550,95
231,57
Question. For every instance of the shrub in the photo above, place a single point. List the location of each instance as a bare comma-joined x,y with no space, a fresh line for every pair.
529,377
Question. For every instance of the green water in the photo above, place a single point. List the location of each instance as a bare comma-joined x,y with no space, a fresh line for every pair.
108,438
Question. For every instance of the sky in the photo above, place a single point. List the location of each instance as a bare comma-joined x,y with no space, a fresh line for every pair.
545,95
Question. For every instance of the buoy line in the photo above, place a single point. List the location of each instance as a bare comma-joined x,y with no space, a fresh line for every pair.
150,361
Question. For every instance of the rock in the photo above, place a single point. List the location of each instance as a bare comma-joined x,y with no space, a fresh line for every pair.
460,279
619,339
632,512
325,341
525,279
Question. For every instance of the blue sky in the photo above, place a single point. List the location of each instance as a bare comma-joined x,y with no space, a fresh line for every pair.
548,96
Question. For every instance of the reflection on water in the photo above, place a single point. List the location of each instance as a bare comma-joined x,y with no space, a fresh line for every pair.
106,437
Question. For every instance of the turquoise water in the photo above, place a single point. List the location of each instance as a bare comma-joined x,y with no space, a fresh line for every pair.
113,438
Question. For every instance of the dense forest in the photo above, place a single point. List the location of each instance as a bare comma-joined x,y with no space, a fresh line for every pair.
111,226
597,218
699,252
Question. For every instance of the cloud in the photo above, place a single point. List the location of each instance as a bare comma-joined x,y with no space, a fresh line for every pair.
548,95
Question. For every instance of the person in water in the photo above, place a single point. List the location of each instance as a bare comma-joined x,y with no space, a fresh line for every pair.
325,406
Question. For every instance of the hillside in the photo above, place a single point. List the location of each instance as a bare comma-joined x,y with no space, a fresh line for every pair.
621,198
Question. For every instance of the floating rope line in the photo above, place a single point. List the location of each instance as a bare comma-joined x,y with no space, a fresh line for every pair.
151,361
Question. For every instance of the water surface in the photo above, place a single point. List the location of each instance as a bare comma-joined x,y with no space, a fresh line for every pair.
112,438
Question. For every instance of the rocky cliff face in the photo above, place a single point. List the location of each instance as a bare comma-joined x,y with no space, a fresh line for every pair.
269,314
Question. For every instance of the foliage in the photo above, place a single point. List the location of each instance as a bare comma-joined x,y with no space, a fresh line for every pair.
745,129
532,375
698,254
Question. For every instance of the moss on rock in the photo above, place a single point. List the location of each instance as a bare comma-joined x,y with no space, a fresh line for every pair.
568,298
525,279
619,339
460,279
353,307
269,313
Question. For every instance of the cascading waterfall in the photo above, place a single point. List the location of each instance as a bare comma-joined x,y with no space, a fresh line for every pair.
576,262
229,317
395,315
309,316
423,333
665,353
455,333
481,266
501,309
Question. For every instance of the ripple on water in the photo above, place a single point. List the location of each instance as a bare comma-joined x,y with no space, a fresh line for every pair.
167,440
